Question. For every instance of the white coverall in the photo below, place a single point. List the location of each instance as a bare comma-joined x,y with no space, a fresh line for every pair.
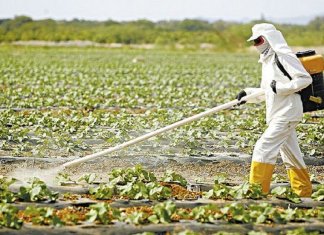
283,112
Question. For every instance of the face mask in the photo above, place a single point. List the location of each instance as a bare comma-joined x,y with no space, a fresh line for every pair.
262,45
264,48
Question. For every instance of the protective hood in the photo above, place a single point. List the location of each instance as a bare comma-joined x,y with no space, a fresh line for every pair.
273,36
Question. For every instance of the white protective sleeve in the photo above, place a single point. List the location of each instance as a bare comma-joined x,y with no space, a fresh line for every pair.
300,77
251,90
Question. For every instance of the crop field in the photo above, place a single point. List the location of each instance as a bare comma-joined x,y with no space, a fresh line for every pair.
60,104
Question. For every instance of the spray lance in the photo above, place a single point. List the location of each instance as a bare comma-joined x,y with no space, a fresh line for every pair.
161,130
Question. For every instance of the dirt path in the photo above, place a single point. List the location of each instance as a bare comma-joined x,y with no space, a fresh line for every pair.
194,170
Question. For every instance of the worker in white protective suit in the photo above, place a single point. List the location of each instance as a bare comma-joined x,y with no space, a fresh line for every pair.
283,111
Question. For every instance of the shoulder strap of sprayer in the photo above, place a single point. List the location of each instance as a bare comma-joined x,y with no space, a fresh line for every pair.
280,66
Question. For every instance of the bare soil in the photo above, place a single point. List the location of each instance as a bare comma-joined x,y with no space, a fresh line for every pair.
194,171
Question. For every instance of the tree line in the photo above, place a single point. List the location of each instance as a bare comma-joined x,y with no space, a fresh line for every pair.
222,34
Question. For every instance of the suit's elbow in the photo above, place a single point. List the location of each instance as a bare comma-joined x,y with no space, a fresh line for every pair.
309,80
303,82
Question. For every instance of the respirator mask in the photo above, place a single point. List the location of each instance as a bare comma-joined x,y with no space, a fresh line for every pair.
262,45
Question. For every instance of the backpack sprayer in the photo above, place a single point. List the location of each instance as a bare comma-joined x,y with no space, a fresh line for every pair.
313,95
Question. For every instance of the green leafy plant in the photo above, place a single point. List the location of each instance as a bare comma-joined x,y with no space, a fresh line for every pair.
260,214
43,216
64,178
227,233
246,190
102,213
219,191
132,183
104,191
321,213
220,179
206,214
222,191
128,175
170,176
6,196
163,212
140,190
37,190
296,215
299,231
137,218
235,212
88,178
134,190
318,195
257,233
9,216
264,213
158,192
285,193
145,233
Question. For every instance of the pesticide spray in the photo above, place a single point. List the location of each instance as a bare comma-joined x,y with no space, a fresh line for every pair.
49,174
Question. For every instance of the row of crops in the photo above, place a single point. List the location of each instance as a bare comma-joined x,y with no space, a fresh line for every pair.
67,102
134,196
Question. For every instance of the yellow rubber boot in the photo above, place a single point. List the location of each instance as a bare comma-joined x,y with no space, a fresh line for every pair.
261,173
300,182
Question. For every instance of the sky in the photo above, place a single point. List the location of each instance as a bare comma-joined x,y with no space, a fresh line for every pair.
155,10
